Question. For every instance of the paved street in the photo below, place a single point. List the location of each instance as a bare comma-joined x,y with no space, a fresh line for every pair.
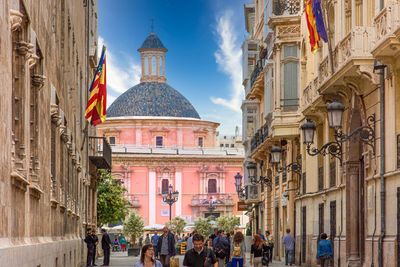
119,259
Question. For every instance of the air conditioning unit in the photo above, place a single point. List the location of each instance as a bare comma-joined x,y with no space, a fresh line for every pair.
253,192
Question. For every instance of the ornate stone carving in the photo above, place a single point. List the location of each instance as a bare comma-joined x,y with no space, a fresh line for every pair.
22,48
16,19
288,31
37,80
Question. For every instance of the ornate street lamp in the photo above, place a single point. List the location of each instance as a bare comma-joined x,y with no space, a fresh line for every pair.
365,134
239,189
292,167
252,172
170,198
276,154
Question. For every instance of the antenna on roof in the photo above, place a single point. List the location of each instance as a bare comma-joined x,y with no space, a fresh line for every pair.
152,25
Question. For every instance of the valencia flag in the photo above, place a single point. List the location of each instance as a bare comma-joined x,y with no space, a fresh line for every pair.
96,107
311,25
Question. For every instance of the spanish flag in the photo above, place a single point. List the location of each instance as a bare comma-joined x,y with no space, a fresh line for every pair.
311,25
96,106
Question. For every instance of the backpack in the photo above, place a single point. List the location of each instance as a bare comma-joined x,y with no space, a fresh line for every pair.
208,260
219,250
237,251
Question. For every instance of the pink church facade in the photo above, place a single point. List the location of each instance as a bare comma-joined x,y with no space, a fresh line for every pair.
158,139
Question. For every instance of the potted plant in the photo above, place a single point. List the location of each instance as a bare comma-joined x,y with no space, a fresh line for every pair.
133,227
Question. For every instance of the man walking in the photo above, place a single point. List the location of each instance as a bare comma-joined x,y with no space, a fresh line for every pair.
288,242
90,247
198,256
147,240
166,247
106,246
154,239
221,248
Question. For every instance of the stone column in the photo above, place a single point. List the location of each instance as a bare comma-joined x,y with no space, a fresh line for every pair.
152,196
352,213
178,187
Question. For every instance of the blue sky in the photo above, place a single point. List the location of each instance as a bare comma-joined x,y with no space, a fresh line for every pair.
203,62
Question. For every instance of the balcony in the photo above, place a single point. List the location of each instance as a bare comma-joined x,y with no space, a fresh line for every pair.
256,72
220,199
259,137
286,7
387,24
100,152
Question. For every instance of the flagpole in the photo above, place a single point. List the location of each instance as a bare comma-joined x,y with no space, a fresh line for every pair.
326,21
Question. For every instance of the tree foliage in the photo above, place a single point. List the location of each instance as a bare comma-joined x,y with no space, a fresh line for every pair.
203,226
133,226
111,204
228,223
176,225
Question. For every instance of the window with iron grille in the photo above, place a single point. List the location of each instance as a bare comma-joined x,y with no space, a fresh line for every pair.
303,233
200,141
284,177
332,173
333,220
277,180
321,178
112,140
164,186
320,219
159,141
212,186
304,183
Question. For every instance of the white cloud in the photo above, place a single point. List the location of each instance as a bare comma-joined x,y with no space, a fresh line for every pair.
229,59
119,79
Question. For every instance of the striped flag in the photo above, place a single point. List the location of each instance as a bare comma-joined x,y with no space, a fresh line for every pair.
311,25
96,107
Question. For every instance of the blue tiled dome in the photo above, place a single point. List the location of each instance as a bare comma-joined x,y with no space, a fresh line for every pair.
152,99
152,42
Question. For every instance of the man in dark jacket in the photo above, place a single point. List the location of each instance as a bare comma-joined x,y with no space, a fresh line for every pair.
166,247
90,247
221,248
106,246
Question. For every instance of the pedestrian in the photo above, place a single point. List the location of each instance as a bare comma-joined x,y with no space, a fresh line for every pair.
214,235
123,243
140,242
90,247
238,250
154,239
199,256
96,241
166,247
260,234
269,239
221,248
147,257
258,251
147,240
324,251
106,246
288,242
115,245
190,244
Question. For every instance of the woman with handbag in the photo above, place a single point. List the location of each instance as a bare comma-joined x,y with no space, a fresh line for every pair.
258,252
325,251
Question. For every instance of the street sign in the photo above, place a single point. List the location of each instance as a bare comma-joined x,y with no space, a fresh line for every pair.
241,206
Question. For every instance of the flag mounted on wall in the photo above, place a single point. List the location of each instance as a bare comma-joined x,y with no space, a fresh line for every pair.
319,20
311,25
96,107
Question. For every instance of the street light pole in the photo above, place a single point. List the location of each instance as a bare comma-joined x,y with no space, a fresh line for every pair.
170,198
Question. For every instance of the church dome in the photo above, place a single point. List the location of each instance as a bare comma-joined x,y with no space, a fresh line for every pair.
152,42
152,99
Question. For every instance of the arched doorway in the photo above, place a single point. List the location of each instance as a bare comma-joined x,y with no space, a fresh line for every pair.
355,185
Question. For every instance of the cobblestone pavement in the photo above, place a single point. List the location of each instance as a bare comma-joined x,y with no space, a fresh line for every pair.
121,259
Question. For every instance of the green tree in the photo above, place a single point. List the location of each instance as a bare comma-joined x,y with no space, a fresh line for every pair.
133,226
203,226
228,223
176,225
111,204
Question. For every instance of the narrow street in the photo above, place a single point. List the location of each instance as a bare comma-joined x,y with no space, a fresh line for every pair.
120,259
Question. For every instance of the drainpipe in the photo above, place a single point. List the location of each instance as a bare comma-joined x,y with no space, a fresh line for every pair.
382,159
373,235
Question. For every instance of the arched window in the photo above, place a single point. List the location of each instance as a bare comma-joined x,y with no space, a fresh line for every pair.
153,66
146,66
164,186
212,186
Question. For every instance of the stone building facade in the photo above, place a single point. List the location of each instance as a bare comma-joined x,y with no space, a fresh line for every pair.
158,139
47,185
353,196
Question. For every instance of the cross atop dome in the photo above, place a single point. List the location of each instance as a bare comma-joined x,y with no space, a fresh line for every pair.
153,59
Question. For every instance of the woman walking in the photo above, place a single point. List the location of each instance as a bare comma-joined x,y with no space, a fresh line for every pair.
324,251
147,257
238,250
258,251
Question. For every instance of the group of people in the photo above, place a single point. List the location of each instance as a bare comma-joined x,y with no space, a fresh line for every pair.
91,241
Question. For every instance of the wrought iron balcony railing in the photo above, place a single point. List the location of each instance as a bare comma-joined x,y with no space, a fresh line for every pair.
100,152
286,7
256,72
259,137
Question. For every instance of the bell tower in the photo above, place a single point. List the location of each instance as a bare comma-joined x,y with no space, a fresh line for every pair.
152,54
